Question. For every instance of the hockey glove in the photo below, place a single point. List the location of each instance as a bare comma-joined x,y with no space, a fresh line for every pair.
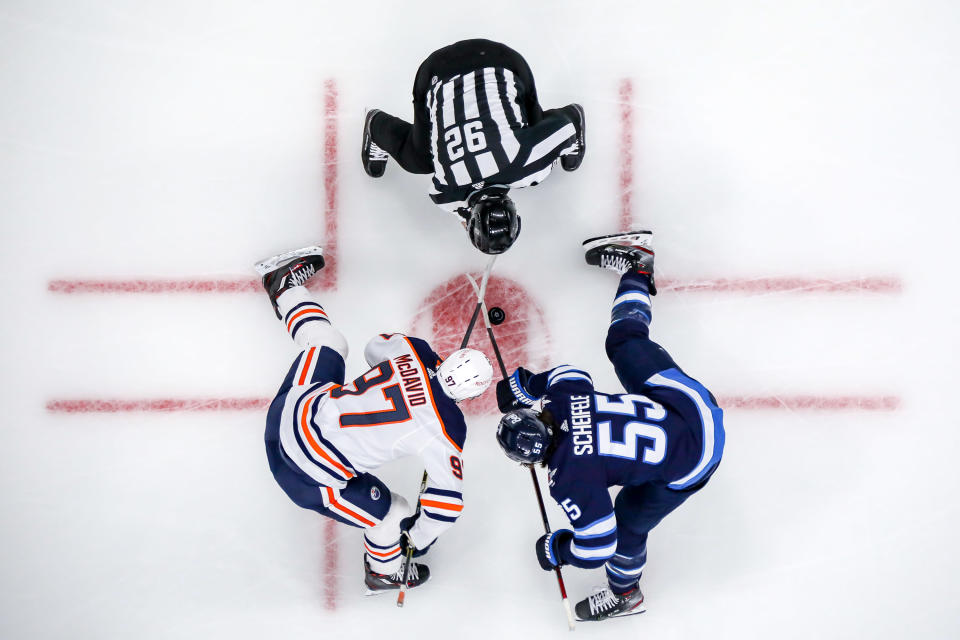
512,392
548,548
405,543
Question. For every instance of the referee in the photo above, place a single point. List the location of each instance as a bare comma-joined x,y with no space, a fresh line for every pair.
478,127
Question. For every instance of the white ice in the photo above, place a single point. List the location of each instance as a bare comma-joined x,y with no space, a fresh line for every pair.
178,139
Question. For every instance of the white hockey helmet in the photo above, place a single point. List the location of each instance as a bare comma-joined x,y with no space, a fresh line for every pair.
465,374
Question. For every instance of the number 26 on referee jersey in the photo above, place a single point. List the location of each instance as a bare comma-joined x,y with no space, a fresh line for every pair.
472,138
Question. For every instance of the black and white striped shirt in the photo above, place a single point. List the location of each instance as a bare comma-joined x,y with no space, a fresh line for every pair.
480,136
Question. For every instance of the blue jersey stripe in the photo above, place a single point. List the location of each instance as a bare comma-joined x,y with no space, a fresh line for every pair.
711,420
598,553
564,370
631,295
601,540
630,575
378,546
445,492
599,526
569,375
312,457
342,459
302,321
437,516
307,449
301,305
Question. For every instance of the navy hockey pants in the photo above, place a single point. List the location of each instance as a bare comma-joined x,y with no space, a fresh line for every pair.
365,491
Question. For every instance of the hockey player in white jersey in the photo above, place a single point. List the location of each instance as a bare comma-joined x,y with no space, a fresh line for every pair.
324,437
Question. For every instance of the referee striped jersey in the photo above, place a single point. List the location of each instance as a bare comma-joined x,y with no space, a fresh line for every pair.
480,136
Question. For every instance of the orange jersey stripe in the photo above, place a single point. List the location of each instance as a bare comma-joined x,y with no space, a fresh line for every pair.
312,441
383,554
306,365
340,507
442,505
434,402
302,313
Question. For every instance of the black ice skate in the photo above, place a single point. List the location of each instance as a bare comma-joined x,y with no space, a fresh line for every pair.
606,604
571,160
622,252
287,270
380,582
374,158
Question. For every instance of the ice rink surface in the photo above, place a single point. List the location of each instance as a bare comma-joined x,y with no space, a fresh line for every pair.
181,141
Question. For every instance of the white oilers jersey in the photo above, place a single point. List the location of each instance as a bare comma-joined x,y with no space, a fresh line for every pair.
334,432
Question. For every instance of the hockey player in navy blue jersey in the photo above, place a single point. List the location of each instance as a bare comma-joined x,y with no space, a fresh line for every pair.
661,441
478,127
324,437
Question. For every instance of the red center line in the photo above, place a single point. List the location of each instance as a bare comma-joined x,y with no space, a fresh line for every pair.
791,402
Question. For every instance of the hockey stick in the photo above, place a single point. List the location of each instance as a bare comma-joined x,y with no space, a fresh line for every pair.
480,294
409,556
463,345
533,473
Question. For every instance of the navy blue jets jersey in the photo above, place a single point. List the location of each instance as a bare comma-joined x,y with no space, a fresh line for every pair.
671,435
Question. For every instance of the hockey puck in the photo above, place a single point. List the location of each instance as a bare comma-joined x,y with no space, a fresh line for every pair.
496,315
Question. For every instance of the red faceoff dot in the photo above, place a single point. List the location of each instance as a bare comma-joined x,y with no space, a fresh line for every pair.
523,337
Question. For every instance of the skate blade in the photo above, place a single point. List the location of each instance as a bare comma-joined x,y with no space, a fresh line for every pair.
632,612
270,264
642,239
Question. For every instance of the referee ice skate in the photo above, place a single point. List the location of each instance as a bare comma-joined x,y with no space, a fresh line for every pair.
478,127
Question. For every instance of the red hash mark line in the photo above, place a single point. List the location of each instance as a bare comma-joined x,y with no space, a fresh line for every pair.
784,285
626,154
812,403
156,405
724,285
331,567
328,277
143,285
169,405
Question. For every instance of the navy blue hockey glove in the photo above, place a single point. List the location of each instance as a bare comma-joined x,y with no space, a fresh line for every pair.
405,543
512,392
548,548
